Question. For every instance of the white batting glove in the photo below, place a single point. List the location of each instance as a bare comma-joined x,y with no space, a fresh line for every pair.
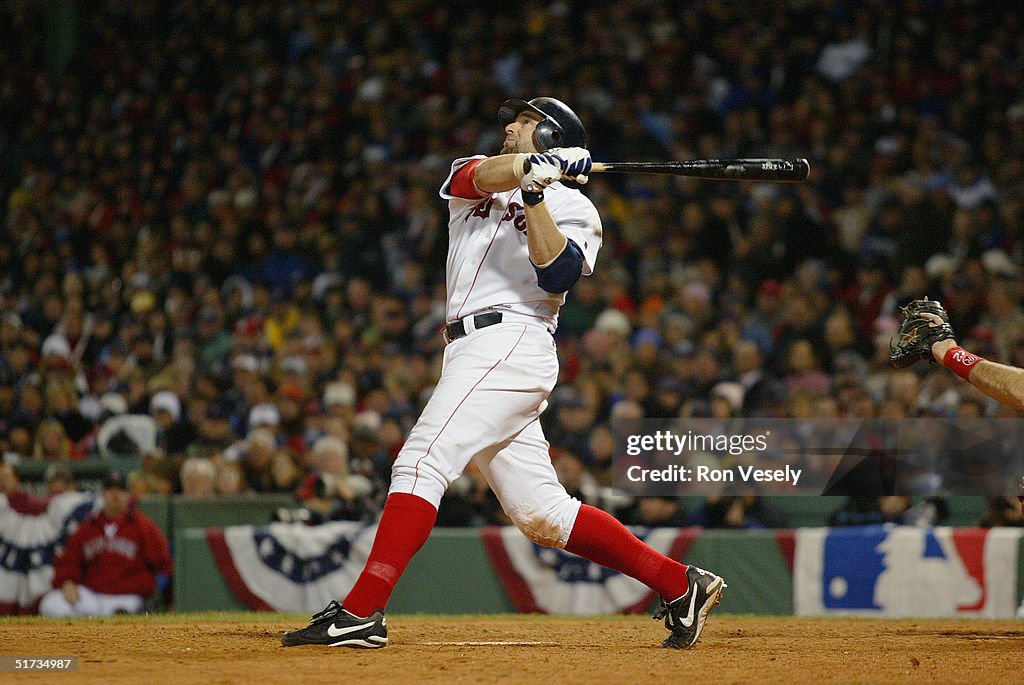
576,162
544,169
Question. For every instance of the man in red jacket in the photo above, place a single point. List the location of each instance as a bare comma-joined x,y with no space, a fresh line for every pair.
111,563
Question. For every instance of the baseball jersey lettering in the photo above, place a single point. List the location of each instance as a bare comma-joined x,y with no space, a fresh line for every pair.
516,215
122,546
482,209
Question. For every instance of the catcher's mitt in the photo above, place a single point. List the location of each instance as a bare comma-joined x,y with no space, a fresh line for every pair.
925,324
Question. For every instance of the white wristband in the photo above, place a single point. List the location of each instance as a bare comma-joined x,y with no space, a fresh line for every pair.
518,163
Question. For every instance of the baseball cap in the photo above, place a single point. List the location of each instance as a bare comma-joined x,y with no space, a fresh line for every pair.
113,403
998,262
265,414
730,392
245,362
294,364
12,319
291,391
115,479
647,336
613,321
56,345
339,393
167,401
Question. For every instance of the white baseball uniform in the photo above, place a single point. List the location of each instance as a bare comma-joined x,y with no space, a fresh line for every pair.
495,381
90,603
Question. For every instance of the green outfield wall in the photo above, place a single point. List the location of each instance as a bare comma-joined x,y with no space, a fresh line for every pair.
452,574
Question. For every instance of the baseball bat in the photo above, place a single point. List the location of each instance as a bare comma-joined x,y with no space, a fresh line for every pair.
776,170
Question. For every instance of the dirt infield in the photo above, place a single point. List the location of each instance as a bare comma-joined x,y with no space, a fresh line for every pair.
244,648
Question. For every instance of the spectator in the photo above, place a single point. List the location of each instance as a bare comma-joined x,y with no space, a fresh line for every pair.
59,479
657,512
737,512
863,511
285,474
332,492
198,478
1002,511
112,563
231,480
470,501
52,442
214,434
256,458
9,483
174,432
158,476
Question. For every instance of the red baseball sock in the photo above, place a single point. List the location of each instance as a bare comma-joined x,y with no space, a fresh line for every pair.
599,537
404,526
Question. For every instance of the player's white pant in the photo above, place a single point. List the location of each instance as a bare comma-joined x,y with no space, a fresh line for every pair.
90,603
494,385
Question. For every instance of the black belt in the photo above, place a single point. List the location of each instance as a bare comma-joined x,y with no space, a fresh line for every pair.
457,329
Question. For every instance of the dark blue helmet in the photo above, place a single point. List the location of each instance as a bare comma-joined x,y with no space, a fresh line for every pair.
559,128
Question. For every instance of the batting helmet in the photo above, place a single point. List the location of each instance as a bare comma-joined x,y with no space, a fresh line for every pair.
559,128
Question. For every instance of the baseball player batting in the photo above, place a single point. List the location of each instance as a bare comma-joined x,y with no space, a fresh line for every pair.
518,241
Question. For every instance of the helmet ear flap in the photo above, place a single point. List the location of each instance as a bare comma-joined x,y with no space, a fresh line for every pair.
547,135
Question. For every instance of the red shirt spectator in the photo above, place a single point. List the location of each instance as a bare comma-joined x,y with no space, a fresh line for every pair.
117,551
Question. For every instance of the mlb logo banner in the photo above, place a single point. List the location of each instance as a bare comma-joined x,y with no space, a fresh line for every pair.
902,571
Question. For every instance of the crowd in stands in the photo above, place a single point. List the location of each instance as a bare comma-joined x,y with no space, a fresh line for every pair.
222,249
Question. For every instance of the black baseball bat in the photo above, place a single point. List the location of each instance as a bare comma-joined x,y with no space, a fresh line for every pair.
776,170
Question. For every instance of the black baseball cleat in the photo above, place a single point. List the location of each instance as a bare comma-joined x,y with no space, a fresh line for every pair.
336,627
685,616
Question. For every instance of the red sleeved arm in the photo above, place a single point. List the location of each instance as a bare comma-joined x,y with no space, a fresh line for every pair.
157,554
68,564
462,182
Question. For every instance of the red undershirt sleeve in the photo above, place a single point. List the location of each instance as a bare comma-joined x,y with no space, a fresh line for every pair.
462,182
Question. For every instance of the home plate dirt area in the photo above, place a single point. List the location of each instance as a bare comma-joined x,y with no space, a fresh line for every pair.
540,650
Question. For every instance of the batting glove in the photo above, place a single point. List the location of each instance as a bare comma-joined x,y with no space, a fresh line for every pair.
575,162
539,171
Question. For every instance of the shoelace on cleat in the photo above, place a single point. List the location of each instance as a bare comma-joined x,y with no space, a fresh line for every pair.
664,612
328,612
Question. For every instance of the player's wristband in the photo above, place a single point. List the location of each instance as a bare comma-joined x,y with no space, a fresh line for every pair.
961,362
520,164
532,199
